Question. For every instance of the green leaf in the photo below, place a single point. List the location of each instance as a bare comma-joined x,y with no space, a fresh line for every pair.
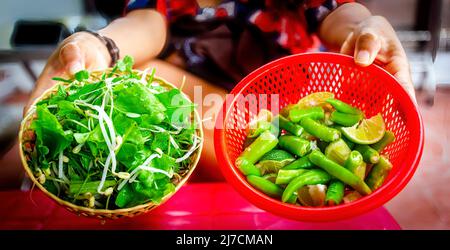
152,76
96,135
60,95
125,196
144,190
122,123
81,137
50,186
61,91
179,109
66,107
138,99
80,187
146,178
187,135
86,89
59,79
82,75
128,129
165,163
93,148
127,154
126,64
160,141
73,175
50,137
85,160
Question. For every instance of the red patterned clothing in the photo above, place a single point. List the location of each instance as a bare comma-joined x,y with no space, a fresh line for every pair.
228,41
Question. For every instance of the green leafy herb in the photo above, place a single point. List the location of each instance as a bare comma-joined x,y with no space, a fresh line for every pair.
50,137
82,75
113,142
59,79
126,64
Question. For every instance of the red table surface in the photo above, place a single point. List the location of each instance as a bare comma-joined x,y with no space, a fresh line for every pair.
195,206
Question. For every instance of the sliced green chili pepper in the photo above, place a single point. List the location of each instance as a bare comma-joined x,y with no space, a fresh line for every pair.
344,107
335,192
248,141
293,199
307,136
339,172
289,126
312,177
356,164
319,130
274,130
286,176
379,173
327,119
295,145
262,123
246,167
296,114
301,163
338,151
369,154
387,139
265,186
263,144
344,119
260,127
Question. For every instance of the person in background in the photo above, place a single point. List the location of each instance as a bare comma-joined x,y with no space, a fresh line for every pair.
216,45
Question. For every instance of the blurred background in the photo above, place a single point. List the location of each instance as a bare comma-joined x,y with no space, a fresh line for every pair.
30,30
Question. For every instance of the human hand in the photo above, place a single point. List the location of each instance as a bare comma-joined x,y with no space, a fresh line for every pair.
374,39
77,52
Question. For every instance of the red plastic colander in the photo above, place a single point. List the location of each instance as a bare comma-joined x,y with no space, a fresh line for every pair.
371,89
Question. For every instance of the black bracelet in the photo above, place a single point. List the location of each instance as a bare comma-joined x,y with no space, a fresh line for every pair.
113,50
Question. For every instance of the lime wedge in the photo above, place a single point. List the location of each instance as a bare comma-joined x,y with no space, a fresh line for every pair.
277,155
367,132
274,160
314,99
309,101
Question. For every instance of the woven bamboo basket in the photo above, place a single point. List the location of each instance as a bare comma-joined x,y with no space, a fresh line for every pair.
106,213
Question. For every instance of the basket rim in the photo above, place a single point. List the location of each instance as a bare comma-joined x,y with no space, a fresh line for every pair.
379,197
119,211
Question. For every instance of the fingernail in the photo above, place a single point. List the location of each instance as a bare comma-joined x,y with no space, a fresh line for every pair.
74,68
363,57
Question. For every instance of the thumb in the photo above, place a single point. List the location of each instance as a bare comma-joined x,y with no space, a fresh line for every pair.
71,57
368,44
